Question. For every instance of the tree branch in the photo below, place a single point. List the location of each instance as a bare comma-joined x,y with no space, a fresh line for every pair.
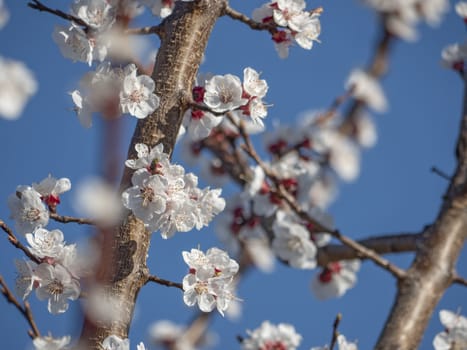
459,280
432,271
335,332
387,244
67,219
238,16
122,266
13,240
145,31
24,310
362,251
37,5
167,283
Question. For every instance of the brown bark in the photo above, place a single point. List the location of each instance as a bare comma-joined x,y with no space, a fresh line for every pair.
433,269
122,268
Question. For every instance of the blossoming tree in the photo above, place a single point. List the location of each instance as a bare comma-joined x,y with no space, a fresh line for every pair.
276,209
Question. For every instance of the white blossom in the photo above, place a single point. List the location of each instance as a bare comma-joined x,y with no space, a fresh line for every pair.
44,243
461,9
73,43
27,209
199,123
252,84
166,198
51,188
271,336
26,280
292,242
148,158
210,281
137,97
367,89
49,343
282,41
308,30
335,279
224,93
454,56
113,342
56,285
287,10
97,14
17,85
161,8
455,334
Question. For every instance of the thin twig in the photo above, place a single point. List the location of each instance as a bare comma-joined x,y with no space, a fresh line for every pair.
335,332
24,310
13,240
459,280
67,219
37,5
144,30
167,283
234,14
281,192
441,173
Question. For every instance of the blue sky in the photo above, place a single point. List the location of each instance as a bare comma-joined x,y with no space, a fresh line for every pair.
395,192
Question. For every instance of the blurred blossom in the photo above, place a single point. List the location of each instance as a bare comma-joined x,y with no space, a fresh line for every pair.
97,200
335,279
367,89
100,306
271,336
17,85
461,9
454,335
49,343
4,14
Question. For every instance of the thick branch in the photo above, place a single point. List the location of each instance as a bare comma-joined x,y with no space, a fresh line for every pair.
388,244
123,264
432,271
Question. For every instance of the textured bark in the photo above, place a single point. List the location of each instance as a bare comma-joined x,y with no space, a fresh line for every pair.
122,268
432,271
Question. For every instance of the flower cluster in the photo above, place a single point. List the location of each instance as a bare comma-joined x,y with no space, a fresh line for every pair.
226,93
401,17
210,280
165,198
455,334
113,91
30,205
296,24
55,278
271,336
86,46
